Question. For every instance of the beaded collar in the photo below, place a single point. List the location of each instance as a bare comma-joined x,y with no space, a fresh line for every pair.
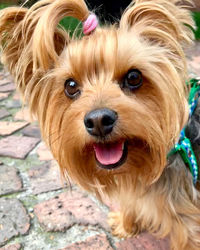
184,146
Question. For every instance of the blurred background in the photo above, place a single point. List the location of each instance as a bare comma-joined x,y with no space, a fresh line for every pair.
104,9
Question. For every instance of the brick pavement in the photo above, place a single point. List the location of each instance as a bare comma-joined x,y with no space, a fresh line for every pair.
37,209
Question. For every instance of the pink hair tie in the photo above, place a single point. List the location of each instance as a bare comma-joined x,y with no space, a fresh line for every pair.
90,24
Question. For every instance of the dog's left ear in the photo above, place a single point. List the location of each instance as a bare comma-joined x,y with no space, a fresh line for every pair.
164,22
31,41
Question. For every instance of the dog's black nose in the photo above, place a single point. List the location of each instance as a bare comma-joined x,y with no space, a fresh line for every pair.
100,122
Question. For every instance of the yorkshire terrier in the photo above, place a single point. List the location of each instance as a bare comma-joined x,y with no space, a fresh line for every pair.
111,105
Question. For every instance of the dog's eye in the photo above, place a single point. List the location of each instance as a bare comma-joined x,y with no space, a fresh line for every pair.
132,80
72,88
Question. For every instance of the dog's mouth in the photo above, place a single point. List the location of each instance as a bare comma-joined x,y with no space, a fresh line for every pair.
110,155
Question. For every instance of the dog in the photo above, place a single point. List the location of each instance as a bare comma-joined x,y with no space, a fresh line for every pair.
111,105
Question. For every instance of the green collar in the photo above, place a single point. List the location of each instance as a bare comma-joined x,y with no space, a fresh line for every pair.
184,146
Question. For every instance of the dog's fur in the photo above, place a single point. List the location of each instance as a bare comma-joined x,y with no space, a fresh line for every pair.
155,193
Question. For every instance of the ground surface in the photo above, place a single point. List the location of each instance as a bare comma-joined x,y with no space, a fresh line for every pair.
37,210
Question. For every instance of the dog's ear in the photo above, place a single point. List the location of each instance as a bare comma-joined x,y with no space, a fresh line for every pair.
48,39
11,38
31,40
164,22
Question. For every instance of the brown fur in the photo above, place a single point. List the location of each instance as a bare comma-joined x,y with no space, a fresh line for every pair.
154,194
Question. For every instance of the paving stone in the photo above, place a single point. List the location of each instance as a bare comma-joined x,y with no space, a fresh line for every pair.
67,209
194,7
45,178
11,104
197,5
4,81
16,96
113,206
194,59
4,113
4,96
44,153
7,87
99,242
32,130
5,75
10,181
143,241
1,74
194,65
7,128
23,115
14,219
17,146
11,247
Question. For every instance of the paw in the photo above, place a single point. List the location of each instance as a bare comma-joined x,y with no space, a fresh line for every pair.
115,221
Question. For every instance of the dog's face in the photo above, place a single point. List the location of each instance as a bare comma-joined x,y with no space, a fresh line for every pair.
112,104
114,108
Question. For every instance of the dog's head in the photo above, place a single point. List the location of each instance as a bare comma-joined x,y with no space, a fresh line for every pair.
110,105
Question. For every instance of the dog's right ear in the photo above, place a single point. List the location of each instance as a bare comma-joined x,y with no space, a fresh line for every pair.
162,22
31,40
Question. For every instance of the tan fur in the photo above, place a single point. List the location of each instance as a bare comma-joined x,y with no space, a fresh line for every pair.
151,37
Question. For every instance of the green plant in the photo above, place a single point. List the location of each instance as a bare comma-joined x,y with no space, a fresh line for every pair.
3,5
196,16
72,25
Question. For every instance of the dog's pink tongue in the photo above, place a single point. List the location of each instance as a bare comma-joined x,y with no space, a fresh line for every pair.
108,154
